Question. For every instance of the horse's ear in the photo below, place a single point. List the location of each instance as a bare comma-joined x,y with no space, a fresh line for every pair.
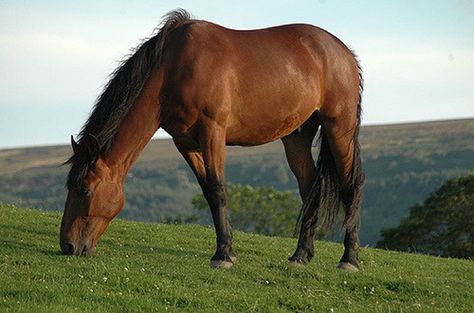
93,148
75,145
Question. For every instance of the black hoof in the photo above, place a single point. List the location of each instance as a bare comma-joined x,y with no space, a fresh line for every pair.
347,267
297,262
301,257
221,264
223,259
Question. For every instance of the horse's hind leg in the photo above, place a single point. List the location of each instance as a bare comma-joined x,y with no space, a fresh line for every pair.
298,153
342,137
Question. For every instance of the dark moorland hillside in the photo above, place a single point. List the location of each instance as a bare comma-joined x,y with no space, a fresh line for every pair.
403,165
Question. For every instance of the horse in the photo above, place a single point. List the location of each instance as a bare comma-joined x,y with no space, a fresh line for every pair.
208,87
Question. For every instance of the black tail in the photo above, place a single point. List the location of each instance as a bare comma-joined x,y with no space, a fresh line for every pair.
327,194
353,192
322,204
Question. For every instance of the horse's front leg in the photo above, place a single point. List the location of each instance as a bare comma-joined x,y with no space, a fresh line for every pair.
224,256
212,142
213,188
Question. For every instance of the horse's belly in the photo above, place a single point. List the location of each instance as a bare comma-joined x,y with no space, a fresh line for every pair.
261,129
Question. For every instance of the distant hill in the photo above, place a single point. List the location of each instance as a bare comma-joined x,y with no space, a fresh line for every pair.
143,267
403,164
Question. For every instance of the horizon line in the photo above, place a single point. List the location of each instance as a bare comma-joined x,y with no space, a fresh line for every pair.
168,137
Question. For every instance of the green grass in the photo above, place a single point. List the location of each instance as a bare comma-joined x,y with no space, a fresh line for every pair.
142,267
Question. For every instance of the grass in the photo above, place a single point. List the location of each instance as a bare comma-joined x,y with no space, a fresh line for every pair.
143,267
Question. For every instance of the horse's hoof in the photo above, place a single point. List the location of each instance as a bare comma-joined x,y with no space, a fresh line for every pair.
221,264
297,263
347,266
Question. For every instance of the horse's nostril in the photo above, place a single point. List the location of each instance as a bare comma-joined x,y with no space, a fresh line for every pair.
67,248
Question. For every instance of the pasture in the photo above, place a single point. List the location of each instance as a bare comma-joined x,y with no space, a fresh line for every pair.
143,267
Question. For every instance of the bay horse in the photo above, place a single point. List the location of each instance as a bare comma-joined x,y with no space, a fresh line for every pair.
209,86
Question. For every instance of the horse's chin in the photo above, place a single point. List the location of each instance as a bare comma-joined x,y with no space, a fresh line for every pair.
86,251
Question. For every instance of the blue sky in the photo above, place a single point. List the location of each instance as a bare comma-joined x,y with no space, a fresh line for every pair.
55,56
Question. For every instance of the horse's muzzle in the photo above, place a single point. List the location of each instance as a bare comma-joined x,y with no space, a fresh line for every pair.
83,250
67,248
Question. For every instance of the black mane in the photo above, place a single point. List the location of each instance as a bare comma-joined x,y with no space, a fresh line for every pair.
119,95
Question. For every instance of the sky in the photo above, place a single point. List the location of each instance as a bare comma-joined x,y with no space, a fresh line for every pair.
55,56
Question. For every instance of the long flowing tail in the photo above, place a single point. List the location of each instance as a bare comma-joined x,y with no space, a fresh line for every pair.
328,194
352,195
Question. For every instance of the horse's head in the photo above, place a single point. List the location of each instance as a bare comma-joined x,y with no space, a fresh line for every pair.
95,197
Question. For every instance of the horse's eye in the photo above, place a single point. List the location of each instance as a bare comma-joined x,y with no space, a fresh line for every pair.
84,191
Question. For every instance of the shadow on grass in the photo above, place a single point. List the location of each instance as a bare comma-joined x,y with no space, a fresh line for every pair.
151,250
19,230
29,248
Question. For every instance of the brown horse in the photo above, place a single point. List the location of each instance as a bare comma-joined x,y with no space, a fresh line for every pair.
208,87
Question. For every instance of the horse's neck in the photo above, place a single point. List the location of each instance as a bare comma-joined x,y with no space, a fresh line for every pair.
136,129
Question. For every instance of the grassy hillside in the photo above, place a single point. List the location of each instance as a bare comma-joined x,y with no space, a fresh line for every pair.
403,164
156,268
